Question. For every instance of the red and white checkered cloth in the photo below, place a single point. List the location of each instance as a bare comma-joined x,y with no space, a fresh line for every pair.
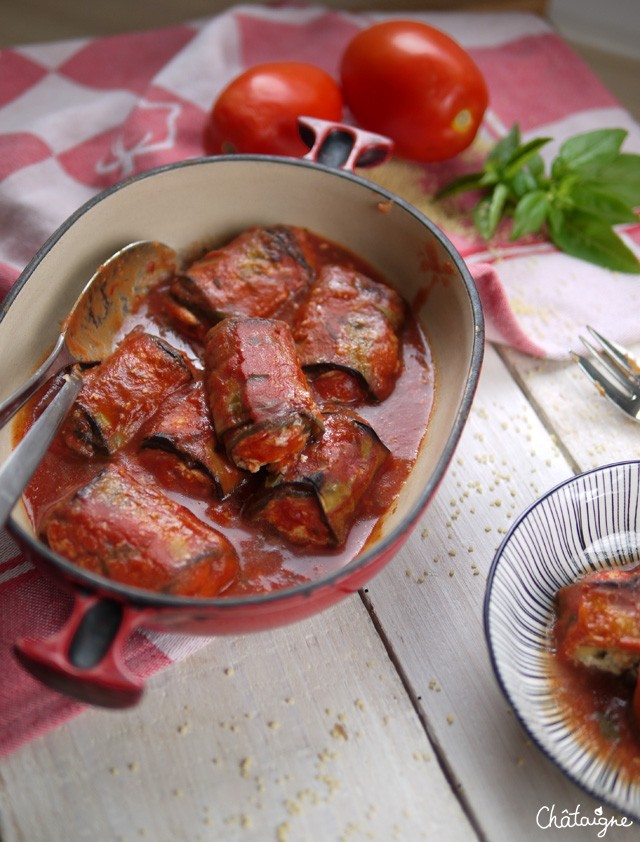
78,116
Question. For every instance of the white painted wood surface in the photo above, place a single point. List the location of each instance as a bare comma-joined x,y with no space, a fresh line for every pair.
377,720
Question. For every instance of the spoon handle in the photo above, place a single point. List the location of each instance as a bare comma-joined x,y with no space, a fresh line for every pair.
20,466
58,359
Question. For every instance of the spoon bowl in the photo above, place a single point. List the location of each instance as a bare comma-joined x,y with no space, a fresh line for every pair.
88,332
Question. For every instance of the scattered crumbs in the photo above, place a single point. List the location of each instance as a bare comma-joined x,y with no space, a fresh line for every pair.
292,807
520,761
407,573
341,717
420,579
329,711
282,832
452,572
470,548
179,793
274,725
229,671
450,718
451,553
325,755
425,532
184,728
216,761
289,700
487,529
134,766
435,685
245,767
250,714
369,664
209,821
332,784
114,771
246,822
339,732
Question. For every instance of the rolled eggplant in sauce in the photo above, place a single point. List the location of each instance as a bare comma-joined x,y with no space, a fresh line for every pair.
257,274
262,409
598,620
135,534
314,498
351,322
122,392
181,436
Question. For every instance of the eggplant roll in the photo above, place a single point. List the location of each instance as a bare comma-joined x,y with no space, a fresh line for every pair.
598,620
351,322
260,402
133,533
313,500
182,432
122,392
256,274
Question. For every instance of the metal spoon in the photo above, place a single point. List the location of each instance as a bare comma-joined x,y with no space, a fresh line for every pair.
18,469
88,331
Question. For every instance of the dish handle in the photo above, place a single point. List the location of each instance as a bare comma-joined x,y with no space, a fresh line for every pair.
342,146
85,658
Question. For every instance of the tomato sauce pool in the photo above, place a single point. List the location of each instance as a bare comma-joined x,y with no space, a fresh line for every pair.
266,562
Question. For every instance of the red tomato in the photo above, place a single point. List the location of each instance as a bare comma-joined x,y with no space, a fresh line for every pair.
414,84
258,110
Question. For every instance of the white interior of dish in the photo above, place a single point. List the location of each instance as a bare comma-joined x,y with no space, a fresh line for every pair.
212,200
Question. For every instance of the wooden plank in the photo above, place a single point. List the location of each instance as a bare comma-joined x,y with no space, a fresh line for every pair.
429,603
263,737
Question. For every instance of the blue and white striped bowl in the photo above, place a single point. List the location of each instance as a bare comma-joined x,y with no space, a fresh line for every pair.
589,522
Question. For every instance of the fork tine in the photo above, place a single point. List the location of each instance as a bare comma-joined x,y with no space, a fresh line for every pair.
612,366
617,353
620,399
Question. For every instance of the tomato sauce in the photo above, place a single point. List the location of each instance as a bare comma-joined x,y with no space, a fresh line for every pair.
597,707
266,563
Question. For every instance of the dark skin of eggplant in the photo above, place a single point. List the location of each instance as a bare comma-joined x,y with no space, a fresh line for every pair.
256,274
262,408
134,533
351,322
122,392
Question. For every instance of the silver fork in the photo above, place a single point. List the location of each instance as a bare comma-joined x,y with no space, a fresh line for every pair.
614,371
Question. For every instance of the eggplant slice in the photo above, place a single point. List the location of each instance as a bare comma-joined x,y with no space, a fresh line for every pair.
260,402
351,322
598,620
133,533
259,273
313,500
122,392
182,431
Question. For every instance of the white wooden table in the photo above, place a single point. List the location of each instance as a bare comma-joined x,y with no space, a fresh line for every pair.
379,719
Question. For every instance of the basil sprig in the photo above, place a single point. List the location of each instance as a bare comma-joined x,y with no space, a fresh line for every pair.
591,186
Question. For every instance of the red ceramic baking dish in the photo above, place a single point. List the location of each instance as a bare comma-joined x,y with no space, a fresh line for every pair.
210,200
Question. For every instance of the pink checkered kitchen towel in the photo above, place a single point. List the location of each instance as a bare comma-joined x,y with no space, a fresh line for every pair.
78,116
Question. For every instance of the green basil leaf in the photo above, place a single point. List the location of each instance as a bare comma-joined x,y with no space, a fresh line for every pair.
583,236
488,212
530,214
622,178
599,203
523,182
535,165
591,151
471,181
506,147
523,155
